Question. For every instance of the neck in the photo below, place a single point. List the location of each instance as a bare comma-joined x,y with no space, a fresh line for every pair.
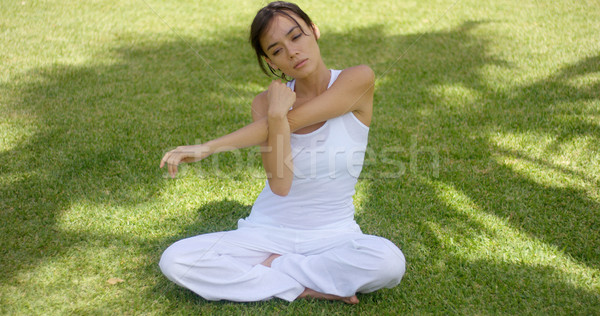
313,84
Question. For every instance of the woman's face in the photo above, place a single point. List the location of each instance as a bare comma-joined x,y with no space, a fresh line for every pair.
291,47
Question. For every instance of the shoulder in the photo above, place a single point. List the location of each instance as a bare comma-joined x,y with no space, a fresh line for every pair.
358,85
361,75
260,106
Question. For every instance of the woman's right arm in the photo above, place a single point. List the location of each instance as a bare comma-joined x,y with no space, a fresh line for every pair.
276,151
252,134
249,135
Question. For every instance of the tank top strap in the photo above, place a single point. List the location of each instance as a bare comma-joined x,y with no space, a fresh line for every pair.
334,74
291,84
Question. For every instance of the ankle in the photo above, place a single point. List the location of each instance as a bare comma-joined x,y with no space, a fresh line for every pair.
269,260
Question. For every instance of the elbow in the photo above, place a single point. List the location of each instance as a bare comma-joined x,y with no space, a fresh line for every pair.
367,73
282,193
279,188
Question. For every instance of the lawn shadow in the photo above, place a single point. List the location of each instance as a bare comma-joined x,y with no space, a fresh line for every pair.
508,288
103,127
459,134
99,131
446,138
212,217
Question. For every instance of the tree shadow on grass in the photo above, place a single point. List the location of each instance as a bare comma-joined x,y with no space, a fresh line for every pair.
99,131
459,134
102,128
508,288
440,104
212,217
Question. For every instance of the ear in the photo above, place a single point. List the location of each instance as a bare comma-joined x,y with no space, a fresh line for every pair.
316,31
271,64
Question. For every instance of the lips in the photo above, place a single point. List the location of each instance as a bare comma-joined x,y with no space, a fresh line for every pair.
301,63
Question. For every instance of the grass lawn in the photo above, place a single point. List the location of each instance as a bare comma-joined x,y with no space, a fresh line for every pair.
483,161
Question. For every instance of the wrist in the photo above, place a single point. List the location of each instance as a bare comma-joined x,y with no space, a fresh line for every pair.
275,115
207,149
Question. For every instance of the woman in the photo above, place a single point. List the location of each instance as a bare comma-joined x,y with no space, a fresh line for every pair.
300,239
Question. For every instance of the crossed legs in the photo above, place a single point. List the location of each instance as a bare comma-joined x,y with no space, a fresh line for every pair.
252,265
312,293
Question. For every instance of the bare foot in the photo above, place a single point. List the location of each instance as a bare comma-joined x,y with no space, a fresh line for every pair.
318,295
267,263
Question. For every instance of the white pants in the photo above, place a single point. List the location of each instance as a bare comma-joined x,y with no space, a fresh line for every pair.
226,265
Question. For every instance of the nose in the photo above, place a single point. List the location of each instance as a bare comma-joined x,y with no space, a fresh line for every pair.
292,51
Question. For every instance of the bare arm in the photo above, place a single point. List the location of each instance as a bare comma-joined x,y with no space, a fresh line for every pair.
246,136
277,154
351,92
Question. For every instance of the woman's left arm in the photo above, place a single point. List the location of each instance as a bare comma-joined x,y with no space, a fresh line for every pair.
351,92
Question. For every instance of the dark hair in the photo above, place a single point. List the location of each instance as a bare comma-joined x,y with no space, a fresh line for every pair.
261,23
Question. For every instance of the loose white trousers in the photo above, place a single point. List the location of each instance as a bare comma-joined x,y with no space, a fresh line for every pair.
227,265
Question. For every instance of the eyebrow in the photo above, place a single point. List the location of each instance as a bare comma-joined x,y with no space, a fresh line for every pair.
288,33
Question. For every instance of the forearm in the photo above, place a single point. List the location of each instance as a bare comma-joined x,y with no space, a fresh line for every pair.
277,156
249,135
345,95
252,134
256,132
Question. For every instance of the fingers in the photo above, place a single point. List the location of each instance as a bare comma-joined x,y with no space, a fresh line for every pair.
164,160
171,159
280,97
172,170
277,84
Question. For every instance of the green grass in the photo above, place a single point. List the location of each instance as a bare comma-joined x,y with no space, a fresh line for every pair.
483,162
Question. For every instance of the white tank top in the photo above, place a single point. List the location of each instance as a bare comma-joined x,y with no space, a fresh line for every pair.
327,163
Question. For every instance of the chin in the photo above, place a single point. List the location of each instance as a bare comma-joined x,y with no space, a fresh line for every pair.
303,72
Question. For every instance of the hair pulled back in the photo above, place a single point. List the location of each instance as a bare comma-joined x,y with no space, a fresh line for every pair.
261,22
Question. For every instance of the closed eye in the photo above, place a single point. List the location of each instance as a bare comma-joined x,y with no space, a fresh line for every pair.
294,38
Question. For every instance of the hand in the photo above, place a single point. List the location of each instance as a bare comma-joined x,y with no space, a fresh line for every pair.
280,98
183,154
